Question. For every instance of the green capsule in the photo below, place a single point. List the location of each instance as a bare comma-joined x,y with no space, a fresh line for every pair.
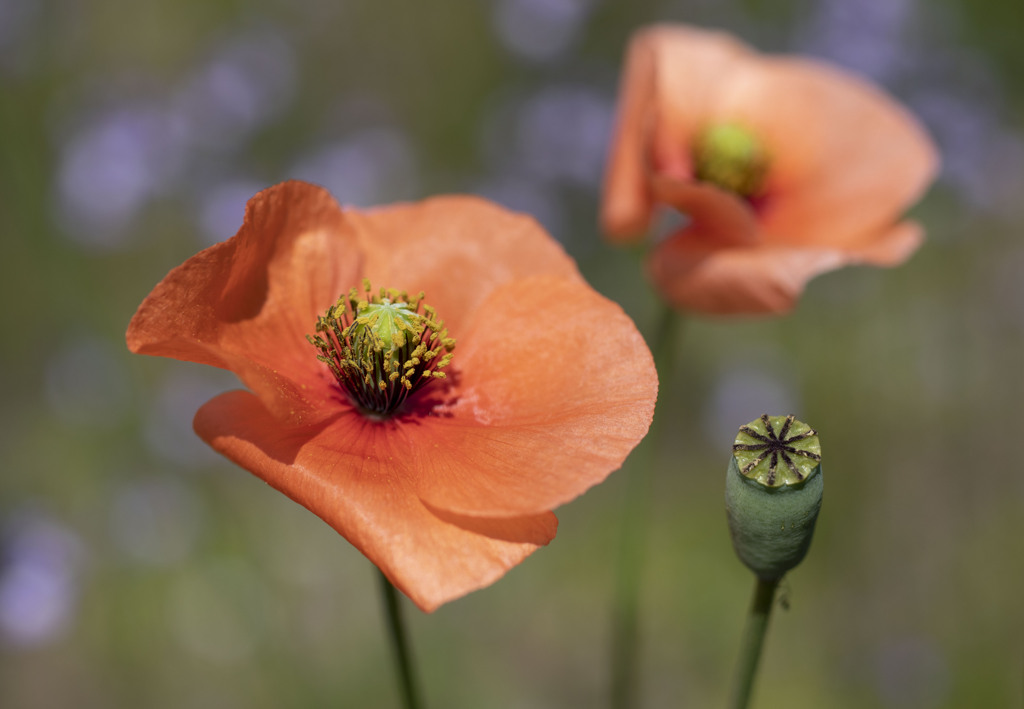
773,491
732,157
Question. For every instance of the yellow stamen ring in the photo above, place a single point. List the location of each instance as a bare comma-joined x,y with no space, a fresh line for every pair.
381,348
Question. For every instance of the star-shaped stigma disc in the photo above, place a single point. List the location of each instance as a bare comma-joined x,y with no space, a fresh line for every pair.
777,450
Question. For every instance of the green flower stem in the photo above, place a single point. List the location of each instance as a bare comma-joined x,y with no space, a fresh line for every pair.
399,645
626,603
753,640
639,470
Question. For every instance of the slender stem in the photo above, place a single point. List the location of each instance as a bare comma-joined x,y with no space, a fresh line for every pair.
753,640
626,603
639,470
399,645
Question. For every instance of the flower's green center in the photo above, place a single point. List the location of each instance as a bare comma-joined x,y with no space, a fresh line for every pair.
381,348
731,157
777,450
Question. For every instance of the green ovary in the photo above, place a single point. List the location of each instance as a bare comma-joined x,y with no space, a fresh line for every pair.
731,157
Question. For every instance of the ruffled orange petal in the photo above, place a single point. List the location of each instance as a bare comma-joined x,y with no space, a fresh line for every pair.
670,74
691,67
627,203
247,304
762,279
719,218
846,158
555,387
737,281
890,246
457,249
338,472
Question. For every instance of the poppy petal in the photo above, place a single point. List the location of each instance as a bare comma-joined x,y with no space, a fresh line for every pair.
691,66
436,246
719,217
627,204
892,246
246,304
538,418
736,281
432,557
846,158
670,74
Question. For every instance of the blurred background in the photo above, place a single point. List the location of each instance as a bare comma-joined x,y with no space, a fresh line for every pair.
139,569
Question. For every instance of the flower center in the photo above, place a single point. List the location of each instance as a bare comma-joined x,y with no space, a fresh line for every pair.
731,157
381,348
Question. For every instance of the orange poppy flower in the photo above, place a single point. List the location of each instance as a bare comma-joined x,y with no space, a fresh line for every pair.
785,167
443,486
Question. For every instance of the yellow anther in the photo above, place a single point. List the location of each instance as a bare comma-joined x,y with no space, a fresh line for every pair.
381,346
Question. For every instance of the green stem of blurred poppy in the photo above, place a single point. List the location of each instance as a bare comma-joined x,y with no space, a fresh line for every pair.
636,508
753,640
399,645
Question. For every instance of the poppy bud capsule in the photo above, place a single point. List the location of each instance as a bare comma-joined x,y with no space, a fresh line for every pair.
773,489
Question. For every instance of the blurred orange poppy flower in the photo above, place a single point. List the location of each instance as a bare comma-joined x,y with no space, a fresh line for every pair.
785,167
549,390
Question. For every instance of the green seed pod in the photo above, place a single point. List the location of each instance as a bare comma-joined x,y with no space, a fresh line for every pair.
773,493
731,157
